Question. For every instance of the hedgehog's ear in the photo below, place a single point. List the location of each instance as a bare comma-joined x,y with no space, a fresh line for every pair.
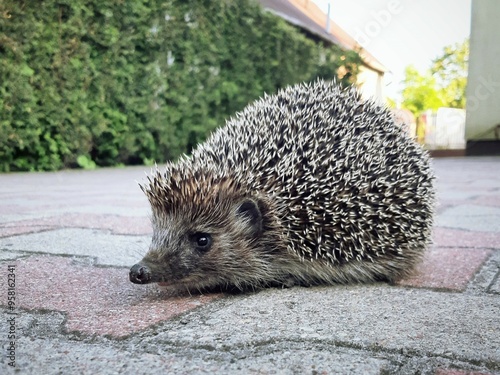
249,210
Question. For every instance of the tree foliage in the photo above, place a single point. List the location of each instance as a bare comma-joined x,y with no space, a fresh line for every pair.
450,71
420,93
126,82
443,85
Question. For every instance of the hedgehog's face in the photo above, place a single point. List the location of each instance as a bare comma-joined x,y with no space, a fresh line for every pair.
196,249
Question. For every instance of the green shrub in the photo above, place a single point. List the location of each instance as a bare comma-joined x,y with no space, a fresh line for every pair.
125,82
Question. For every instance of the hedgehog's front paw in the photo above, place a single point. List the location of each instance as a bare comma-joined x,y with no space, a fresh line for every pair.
289,282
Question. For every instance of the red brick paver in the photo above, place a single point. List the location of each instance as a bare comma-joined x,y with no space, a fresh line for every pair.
441,371
23,228
444,237
116,224
447,268
97,300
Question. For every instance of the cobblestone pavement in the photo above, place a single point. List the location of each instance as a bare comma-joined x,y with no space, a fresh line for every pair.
69,238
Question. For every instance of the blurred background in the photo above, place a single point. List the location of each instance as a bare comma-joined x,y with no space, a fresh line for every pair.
87,83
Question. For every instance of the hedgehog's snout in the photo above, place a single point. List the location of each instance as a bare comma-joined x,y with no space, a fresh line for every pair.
140,274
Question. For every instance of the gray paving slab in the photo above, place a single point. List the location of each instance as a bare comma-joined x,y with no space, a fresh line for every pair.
70,357
125,212
489,184
471,217
457,326
108,249
450,193
41,342
11,255
106,209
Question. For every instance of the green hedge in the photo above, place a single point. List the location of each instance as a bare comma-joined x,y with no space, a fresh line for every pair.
129,82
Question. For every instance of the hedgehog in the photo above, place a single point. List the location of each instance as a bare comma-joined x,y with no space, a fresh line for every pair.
312,185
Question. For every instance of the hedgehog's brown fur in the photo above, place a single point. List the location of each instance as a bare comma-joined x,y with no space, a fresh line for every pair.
311,185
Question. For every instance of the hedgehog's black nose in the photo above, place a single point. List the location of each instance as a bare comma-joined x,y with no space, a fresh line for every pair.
140,274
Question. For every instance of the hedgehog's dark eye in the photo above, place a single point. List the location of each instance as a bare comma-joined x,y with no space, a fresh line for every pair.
202,241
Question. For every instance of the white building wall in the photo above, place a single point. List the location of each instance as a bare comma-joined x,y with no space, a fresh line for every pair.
483,84
371,84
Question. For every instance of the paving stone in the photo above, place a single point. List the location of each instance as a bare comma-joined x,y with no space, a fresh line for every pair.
141,211
429,365
444,237
441,371
32,211
383,318
107,248
471,217
447,268
12,255
23,228
488,200
7,217
103,191
487,184
115,223
449,193
58,356
97,300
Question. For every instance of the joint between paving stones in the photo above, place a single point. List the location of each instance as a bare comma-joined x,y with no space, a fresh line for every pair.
494,280
486,277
